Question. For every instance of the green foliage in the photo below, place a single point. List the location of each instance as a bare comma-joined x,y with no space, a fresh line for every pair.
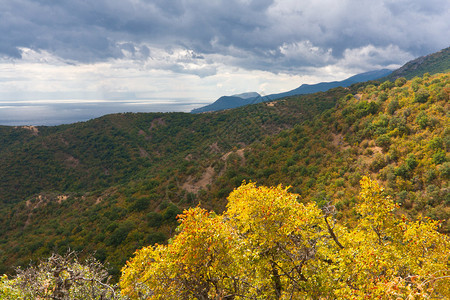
378,163
423,120
439,157
386,85
438,62
392,106
436,143
421,96
140,204
399,82
411,162
154,219
383,141
119,234
156,238
444,169
415,83
170,213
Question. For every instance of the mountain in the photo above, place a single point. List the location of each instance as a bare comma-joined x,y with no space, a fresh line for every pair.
248,95
115,184
325,86
228,102
438,62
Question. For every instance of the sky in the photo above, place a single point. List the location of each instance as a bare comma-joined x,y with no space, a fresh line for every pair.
63,61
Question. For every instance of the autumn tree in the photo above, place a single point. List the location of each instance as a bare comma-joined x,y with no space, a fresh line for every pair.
387,256
284,243
268,245
199,263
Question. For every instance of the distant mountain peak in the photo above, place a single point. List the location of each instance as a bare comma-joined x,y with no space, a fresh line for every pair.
247,95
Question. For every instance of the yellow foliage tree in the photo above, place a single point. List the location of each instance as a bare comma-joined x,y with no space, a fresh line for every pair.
268,245
284,243
387,256
198,263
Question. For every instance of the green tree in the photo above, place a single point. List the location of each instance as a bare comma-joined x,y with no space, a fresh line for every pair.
421,96
399,82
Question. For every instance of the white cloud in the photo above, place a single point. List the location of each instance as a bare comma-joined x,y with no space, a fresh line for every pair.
370,58
305,53
41,75
202,49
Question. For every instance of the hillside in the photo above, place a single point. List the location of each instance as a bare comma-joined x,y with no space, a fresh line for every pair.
438,62
115,184
91,185
398,135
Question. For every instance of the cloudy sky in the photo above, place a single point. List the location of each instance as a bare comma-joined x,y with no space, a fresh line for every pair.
68,60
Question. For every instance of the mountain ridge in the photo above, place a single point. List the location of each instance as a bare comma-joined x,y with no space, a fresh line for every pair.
437,62
228,102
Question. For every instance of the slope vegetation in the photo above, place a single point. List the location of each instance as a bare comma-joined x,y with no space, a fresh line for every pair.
438,62
115,184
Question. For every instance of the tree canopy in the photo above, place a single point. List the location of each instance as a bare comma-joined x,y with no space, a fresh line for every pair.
269,245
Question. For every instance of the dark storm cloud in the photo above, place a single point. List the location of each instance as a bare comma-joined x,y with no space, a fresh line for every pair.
259,34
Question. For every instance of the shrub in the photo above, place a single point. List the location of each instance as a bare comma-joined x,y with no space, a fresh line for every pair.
140,204
171,213
444,169
378,163
400,81
436,143
415,84
156,238
386,85
154,219
382,96
439,157
383,141
421,96
422,120
411,161
60,277
403,171
392,106
119,234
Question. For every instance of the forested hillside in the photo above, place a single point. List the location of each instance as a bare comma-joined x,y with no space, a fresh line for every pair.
115,184
90,186
438,62
397,133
